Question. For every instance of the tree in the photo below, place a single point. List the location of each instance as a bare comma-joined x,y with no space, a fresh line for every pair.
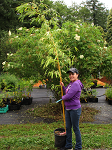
5,47
109,28
9,20
62,10
9,15
73,13
98,13
40,51
84,13
37,14
74,45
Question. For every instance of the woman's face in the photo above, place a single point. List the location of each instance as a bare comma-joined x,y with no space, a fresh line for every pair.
73,76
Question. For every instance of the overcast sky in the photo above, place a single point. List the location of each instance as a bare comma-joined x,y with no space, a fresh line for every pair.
107,3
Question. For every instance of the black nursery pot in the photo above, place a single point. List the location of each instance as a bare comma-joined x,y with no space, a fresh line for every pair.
93,99
14,106
84,100
110,102
27,101
60,141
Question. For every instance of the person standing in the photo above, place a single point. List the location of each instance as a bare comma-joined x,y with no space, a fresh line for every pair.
73,109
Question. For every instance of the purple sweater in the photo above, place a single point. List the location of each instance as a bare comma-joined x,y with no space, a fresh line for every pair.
72,95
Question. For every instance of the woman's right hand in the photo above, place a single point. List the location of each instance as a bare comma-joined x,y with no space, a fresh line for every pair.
61,83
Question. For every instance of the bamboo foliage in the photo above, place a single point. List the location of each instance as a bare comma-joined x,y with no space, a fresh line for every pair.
37,12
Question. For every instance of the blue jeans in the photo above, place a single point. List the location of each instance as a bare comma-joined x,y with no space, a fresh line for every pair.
72,119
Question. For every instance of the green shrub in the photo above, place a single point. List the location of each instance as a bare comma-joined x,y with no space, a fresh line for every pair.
108,93
8,81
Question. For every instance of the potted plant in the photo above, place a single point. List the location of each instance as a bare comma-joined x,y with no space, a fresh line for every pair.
26,88
21,93
84,97
92,95
94,83
108,94
14,100
107,86
99,86
86,91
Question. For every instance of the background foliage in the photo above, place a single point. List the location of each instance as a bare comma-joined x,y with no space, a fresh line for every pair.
92,11
39,50
9,17
109,28
55,40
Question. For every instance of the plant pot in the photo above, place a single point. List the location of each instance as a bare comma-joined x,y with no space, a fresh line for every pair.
93,99
27,101
60,140
84,100
110,102
99,86
14,106
4,109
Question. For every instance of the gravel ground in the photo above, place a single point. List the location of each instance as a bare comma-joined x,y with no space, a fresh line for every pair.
42,96
105,114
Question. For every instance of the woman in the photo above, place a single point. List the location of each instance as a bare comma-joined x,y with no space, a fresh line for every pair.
73,109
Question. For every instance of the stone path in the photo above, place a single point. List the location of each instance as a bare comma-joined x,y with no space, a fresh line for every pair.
42,96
